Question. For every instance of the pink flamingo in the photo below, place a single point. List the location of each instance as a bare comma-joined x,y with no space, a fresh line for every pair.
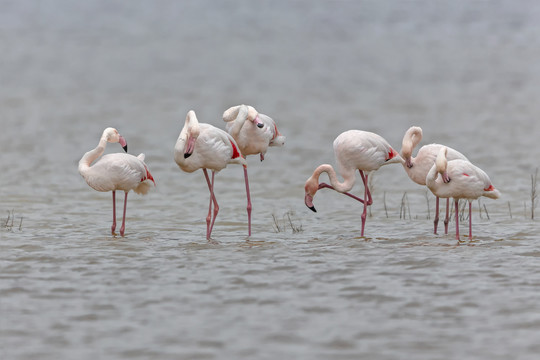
418,167
353,149
460,180
203,146
116,171
254,133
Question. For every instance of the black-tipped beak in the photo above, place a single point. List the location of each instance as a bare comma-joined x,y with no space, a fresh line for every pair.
312,208
125,148
260,125
186,155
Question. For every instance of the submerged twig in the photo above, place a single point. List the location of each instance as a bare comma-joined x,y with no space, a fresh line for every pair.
509,209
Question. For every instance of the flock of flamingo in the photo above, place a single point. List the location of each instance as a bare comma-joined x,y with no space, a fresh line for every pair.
445,171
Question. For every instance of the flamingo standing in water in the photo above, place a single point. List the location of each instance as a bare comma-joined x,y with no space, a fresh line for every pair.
203,146
418,167
254,133
116,171
354,150
460,180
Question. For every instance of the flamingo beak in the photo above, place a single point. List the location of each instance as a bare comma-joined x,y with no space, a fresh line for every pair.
123,142
190,145
308,200
257,122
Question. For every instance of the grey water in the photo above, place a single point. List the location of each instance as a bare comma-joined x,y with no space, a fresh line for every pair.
305,285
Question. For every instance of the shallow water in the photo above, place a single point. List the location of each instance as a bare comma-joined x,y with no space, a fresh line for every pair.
466,72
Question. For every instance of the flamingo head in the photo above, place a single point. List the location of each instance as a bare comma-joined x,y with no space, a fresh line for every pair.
253,116
191,132
311,189
112,136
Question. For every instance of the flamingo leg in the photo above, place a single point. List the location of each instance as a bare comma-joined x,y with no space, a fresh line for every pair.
436,220
124,216
365,180
447,219
470,221
209,219
366,194
248,199
209,216
325,185
457,219
113,227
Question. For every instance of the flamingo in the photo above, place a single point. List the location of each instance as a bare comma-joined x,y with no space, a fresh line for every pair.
418,167
460,180
203,146
116,171
354,150
254,133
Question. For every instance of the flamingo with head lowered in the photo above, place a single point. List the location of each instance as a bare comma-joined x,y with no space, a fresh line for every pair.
116,171
354,150
254,133
459,179
203,146
418,167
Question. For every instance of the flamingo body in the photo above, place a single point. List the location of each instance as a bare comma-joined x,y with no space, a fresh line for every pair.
203,146
354,150
459,179
418,167
116,171
254,132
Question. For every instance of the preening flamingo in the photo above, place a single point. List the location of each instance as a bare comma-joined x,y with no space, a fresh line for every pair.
418,167
203,146
254,133
116,171
459,179
354,150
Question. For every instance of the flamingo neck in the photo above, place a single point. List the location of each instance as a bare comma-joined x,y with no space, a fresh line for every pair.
92,155
241,118
344,186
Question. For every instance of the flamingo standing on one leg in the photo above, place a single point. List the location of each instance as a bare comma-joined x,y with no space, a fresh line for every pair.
460,180
254,133
203,146
354,149
116,171
418,167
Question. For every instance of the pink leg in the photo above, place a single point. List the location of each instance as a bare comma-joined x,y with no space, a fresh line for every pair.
447,219
248,199
457,219
366,194
124,216
325,185
470,221
436,220
209,219
365,180
113,227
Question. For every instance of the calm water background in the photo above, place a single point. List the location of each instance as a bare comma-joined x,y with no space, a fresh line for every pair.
468,72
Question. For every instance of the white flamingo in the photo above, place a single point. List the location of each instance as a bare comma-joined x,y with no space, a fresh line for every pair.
418,167
116,171
254,133
459,179
354,150
203,146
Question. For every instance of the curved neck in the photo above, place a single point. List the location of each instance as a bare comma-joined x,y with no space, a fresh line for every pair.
92,155
344,186
239,121
411,139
